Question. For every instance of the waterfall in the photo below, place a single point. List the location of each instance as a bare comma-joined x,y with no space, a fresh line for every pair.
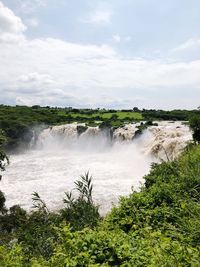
165,141
117,159
127,132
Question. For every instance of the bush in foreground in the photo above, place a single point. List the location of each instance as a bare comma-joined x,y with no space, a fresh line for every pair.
158,226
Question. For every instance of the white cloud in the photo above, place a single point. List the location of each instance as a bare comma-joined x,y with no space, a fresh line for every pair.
51,70
32,22
10,23
189,44
11,26
54,72
11,38
128,38
117,38
99,17
30,6
35,80
187,51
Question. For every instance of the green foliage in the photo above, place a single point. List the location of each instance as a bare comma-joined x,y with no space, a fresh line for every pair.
13,219
101,115
169,202
195,126
173,115
81,212
36,231
158,226
114,248
37,234
3,157
3,161
38,203
143,126
18,122
2,203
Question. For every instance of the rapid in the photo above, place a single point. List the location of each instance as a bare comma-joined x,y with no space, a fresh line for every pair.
117,161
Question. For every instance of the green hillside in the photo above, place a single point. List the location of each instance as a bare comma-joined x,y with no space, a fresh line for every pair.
17,122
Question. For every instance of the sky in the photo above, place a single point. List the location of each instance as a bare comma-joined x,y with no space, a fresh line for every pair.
100,53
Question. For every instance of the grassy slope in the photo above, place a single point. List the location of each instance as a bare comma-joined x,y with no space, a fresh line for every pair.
107,115
18,121
159,226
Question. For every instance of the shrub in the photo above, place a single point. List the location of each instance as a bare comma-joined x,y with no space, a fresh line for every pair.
81,212
195,126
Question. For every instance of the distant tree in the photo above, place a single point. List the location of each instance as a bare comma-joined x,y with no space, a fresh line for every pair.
3,157
3,161
2,203
35,107
105,124
136,109
195,126
114,117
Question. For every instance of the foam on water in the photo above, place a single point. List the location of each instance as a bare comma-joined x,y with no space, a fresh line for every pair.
60,157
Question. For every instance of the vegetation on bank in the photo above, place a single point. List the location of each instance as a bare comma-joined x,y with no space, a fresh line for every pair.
18,122
3,156
158,226
195,126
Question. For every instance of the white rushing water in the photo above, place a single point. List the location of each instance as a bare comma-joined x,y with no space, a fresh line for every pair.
61,155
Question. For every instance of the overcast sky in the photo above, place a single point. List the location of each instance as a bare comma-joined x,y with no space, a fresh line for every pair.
90,53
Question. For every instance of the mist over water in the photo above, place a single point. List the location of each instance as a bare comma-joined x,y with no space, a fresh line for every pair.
60,157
